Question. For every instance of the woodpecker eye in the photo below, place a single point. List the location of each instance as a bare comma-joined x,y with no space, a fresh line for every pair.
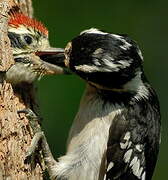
28,39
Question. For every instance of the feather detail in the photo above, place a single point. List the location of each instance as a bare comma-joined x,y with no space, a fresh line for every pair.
14,9
17,19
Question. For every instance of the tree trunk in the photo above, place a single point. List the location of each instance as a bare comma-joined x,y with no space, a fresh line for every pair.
15,131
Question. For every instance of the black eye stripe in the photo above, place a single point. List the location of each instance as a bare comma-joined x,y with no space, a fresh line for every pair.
19,41
16,42
28,39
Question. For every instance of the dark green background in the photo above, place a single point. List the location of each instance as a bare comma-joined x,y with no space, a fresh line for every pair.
145,21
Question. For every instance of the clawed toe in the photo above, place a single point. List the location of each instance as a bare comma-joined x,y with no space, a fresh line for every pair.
38,133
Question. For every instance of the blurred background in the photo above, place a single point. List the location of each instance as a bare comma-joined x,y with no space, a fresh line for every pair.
145,21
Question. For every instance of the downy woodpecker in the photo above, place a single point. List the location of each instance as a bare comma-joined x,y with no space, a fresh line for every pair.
116,132
29,42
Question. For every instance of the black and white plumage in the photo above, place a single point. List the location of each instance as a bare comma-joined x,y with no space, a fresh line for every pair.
116,132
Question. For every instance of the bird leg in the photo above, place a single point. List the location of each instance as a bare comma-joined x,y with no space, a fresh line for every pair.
39,137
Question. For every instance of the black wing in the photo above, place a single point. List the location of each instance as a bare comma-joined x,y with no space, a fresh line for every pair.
133,143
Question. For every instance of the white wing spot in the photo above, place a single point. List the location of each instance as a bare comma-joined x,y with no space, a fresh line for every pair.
139,147
133,161
140,172
136,168
129,145
127,136
124,145
127,155
110,166
143,176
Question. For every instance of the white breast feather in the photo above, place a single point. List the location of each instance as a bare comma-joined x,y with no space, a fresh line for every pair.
87,140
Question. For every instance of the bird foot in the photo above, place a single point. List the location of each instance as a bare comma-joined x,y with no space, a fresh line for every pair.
38,139
38,134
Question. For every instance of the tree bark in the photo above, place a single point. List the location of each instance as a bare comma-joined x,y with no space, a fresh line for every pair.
15,131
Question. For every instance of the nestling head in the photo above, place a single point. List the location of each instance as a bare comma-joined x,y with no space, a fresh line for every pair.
29,43
26,34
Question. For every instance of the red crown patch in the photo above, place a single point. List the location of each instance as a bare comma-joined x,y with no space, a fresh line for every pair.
18,19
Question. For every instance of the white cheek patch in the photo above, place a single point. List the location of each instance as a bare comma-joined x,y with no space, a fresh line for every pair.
107,66
89,68
92,68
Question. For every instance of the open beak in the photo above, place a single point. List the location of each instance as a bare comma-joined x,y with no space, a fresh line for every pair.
54,58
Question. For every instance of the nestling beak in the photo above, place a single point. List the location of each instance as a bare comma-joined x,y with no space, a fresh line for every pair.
54,59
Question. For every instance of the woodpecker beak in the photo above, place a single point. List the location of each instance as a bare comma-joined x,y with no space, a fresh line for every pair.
50,51
54,57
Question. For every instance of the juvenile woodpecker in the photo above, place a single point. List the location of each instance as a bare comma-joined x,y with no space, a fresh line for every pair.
116,132
29,42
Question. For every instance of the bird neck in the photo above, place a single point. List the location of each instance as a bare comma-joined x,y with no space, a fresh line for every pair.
111,95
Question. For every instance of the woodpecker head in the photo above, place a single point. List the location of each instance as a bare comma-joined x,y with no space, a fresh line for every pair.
29,42
104,59
107,61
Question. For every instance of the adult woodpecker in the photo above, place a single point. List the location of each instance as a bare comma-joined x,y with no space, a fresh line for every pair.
29,42
116,132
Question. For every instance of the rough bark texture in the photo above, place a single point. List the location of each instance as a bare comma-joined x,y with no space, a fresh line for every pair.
15,131
26,6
